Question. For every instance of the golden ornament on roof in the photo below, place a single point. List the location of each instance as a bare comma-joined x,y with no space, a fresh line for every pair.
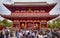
29,10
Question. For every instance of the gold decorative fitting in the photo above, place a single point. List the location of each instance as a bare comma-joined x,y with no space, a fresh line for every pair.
29,10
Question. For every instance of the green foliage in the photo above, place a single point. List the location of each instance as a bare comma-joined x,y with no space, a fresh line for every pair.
55,23
51,25
5,23
9,24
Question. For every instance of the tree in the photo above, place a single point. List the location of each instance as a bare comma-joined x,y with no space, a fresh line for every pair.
55,23
6,23
1,25
51,25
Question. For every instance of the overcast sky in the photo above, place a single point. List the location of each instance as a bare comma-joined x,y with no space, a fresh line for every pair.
4,10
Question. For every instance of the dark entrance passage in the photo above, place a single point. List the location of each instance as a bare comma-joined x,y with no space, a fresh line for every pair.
36,25
29,25
22,25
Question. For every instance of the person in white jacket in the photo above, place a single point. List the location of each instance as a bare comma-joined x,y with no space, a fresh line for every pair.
40,35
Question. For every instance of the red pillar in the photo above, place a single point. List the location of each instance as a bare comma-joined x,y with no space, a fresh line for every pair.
40,25
33,26
12,24
26,25
19,24
46,25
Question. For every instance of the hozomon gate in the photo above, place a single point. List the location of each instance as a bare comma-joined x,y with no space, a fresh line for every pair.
33,15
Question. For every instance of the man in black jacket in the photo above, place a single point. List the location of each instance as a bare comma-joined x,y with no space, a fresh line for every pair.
1,35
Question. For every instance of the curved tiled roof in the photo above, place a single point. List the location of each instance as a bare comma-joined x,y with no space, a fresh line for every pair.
29,15
32,5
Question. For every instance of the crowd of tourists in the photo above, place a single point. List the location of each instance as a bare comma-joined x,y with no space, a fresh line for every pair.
43,33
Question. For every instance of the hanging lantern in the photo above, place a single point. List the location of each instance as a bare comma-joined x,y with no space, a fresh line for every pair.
36,25
22,24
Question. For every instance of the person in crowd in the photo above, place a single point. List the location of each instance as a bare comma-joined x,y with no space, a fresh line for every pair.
40,35
54,33
7,34
3,30
29,36
33,35
45,35
35,31
21,35
58,33
1,34
48,32
17,34
10,32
